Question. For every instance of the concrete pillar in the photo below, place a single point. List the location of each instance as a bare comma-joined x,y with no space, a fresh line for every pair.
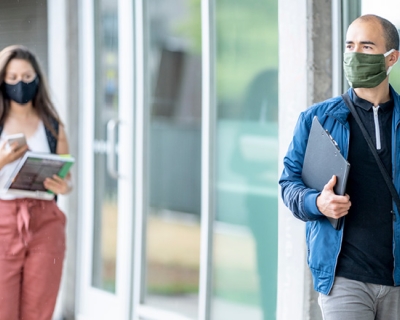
74,135
64,83
305,77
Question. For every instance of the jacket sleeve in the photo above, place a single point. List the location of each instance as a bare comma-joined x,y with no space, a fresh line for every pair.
297,197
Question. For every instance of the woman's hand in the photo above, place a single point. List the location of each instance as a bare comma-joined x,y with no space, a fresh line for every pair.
58,185
11,153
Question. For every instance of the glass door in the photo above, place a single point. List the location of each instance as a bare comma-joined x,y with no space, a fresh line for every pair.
106,231
148,105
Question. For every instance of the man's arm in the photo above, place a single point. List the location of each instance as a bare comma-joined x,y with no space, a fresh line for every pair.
307,204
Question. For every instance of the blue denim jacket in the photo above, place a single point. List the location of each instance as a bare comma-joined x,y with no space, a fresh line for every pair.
323,241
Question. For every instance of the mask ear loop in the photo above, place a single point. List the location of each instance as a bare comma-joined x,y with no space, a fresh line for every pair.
391,67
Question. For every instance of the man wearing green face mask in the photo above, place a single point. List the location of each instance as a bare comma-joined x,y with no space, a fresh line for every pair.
355,267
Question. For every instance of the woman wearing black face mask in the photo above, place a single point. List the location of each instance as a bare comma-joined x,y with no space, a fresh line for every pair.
32,236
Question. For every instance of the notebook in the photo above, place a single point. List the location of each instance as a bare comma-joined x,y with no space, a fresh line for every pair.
33,168
322,160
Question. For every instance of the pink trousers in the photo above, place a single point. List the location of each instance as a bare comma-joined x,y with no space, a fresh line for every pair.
32,247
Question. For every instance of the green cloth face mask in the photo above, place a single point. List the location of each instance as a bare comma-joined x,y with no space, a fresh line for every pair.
364,70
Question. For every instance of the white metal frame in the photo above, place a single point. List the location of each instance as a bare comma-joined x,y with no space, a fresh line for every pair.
134,127
85,233
141,310
207,158
126,159
57,41
337,48
84,261
140,167
94,303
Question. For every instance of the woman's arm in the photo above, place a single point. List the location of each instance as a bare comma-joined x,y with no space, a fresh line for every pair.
62,141
57,184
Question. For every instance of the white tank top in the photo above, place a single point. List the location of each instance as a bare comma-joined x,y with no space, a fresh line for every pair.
37,143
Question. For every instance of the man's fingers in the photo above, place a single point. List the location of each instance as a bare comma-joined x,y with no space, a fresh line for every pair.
340,214
331,183
340,199
339,206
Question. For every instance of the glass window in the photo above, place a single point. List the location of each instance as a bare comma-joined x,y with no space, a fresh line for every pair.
106,108
385,9
246,226
173,53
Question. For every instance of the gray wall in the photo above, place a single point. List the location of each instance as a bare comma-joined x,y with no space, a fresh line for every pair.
25,22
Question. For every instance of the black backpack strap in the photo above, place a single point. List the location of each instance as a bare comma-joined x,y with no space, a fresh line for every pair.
378,160
51,139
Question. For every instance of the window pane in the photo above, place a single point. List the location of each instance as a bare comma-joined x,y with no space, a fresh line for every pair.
106,108
173,224
245,238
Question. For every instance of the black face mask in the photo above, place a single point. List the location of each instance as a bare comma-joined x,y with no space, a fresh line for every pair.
21,92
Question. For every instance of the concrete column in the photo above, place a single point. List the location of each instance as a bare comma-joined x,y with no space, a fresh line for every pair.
74,135
305,77
64,84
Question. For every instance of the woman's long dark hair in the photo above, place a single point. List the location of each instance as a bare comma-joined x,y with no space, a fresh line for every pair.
41,102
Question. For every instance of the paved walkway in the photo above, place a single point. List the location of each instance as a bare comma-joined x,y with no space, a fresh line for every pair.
221,310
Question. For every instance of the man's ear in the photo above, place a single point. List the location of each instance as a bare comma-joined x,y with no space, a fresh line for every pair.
394,57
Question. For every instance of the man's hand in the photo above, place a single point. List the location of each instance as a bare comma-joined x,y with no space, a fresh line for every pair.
332,205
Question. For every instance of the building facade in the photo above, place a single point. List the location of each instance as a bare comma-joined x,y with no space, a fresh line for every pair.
179,113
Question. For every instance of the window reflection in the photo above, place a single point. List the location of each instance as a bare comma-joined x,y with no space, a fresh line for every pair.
173,223
245,239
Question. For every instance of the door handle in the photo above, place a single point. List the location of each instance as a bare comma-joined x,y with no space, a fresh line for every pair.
112,124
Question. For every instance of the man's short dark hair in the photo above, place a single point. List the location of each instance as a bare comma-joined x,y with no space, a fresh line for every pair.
390,32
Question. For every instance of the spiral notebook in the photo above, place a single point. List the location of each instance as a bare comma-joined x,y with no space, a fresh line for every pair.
33,168
322,160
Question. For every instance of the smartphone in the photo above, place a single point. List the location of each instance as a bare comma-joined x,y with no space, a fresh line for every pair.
18,137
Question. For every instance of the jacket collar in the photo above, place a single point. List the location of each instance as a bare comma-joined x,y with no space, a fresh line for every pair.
396,108
340,111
